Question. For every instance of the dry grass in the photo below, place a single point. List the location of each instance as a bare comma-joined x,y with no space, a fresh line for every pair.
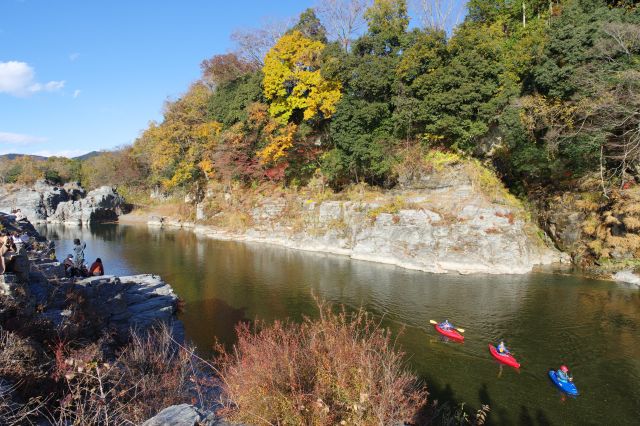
151,373
338,369
13,413
19,366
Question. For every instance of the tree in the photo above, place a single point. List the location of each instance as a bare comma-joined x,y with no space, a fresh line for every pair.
224,68
176,147
441,15
310,26
388,19
293,82
343,19
253,44
228,104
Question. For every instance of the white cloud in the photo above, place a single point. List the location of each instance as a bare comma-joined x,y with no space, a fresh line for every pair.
73,56
76,93
20,139
18,79
69,153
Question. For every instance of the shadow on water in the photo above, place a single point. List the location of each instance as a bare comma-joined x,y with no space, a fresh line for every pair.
218,319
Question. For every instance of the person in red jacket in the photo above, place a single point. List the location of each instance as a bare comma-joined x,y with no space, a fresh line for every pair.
96,268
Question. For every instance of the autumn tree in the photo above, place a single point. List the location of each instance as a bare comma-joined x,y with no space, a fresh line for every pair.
293,82
176,147
224,68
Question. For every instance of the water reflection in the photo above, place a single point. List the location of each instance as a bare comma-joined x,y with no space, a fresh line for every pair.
547,320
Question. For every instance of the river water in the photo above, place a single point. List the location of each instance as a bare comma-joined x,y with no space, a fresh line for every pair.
546,320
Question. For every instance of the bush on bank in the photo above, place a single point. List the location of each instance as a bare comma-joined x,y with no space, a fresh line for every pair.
338,369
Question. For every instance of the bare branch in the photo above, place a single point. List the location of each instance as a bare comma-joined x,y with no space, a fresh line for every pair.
253,44
342,18
440,14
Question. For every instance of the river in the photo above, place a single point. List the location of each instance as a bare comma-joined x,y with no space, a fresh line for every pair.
546,320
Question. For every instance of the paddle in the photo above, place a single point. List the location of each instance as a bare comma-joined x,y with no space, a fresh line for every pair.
461,330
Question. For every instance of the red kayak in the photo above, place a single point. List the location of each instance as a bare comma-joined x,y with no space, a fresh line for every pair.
505,359
451,334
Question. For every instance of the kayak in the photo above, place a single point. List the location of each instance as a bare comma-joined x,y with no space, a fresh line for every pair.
505,359
564,385
451,334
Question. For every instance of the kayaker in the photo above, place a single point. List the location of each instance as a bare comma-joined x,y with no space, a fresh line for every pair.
502,348
446,325
563,374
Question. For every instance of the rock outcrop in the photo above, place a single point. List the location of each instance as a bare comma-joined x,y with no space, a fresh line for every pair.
68,204
37,284
118,304
443,222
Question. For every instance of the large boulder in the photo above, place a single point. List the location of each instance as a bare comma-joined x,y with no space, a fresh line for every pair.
36,203
100,205
68,204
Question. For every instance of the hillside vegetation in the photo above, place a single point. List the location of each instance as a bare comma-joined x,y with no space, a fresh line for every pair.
544,92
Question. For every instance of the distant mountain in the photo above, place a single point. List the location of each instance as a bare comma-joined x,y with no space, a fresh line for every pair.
14,156
41,158
87,155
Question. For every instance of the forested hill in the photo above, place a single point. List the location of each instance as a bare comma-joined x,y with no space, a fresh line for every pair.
545,92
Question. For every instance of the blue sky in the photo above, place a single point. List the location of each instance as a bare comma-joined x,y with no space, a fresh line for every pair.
83,75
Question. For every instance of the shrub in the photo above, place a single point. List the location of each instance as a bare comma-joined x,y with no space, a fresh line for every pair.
151,373
338,369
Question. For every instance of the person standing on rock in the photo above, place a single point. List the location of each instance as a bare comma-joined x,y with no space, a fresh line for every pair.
78,251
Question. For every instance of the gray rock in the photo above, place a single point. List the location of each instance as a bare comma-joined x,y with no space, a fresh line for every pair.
627,276
69,204
100,205
186,415
176,415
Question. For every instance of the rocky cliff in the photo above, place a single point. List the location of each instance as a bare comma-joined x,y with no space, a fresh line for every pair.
455,220
68,204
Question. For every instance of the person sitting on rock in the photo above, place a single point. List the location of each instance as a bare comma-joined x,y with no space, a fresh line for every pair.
96,268
68,266
5,247
78,250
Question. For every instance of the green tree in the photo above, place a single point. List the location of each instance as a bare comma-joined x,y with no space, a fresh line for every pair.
310,26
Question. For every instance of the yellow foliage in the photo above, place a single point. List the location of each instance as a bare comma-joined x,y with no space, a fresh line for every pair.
279,142
183,174
207,130
292,79
207,168
440,159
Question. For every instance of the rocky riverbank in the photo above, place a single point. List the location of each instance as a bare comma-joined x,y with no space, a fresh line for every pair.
57,330
450,221
35,284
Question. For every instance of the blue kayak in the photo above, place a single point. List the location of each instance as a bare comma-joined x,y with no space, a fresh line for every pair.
565,386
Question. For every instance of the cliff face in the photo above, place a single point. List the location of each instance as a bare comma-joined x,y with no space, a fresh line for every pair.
68,204
444,222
